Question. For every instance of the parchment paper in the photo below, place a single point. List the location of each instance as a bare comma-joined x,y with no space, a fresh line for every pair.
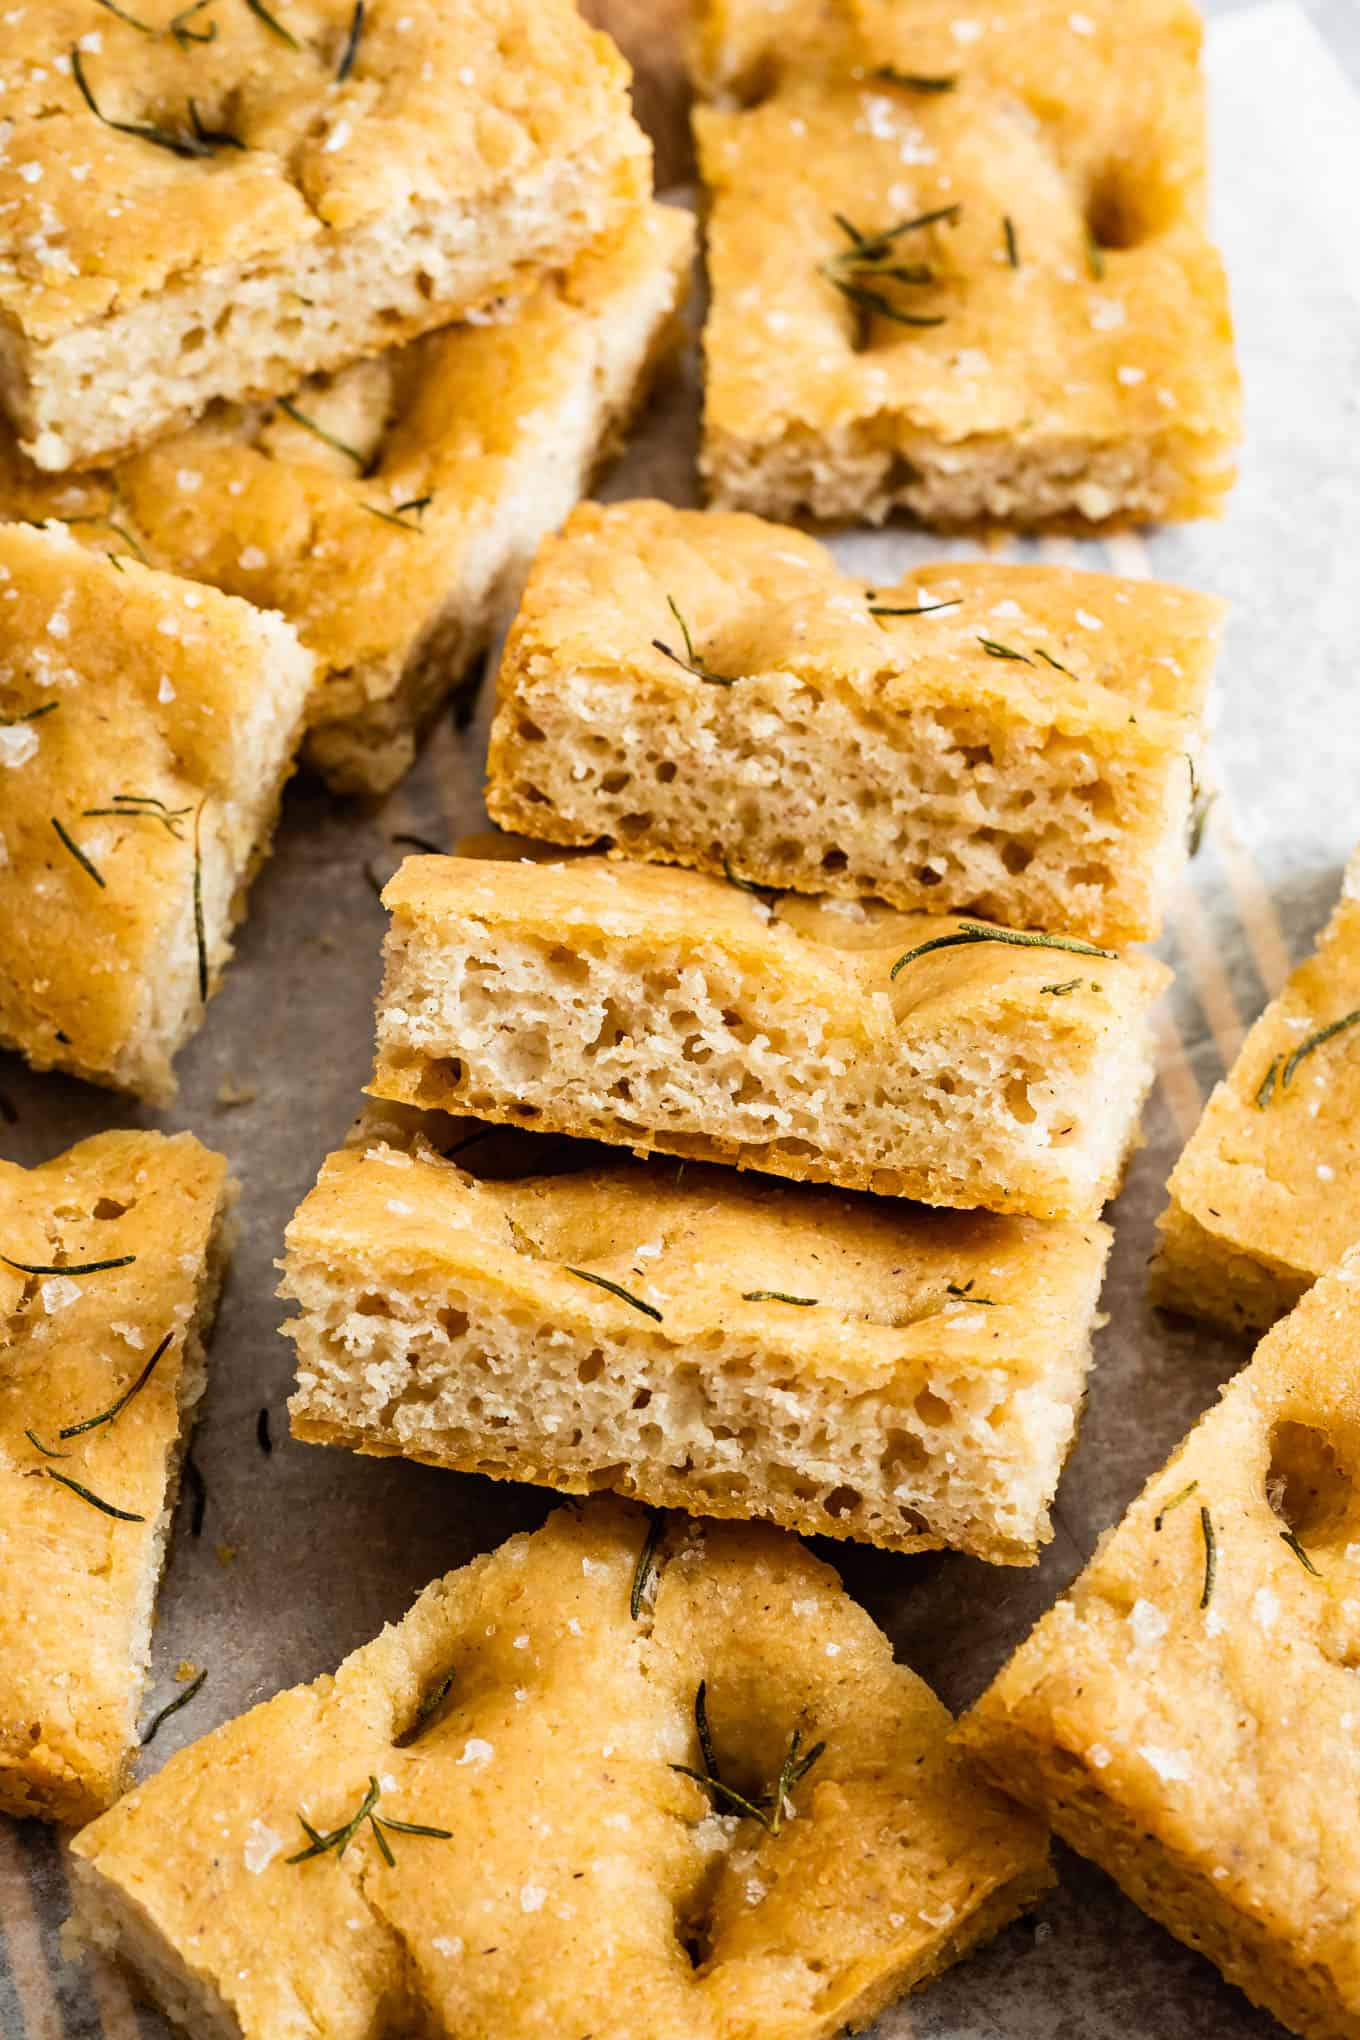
304,1554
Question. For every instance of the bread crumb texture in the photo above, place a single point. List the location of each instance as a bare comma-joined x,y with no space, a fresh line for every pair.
1012,741
218,205
1186,1716
580,1882
993,300
111,1258
666,1010
735,1347
390,510
146,730
1267,1192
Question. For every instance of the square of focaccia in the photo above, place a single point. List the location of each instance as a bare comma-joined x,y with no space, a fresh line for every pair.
1012,741
217,200
533,1722
111,1258
838,1365
390,510
1186,1715
963,275
914,1055
147,727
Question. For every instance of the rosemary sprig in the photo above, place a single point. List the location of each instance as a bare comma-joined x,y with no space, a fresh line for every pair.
1183,1495
191,1692
432,1700
603,1282
261,13
290,410
914,81
340,1838
646,1564
76,1267
1012,242
872,259
110,524
996,651
1315,1041
770,1811
777,1296
351,50
690,663
962,1292
402,513
1016,938
107,1416
178,142
9,722
82,860
911,609
1288,1537
95,1501
47,1451
200,933
262,1437
1206,1526
142,807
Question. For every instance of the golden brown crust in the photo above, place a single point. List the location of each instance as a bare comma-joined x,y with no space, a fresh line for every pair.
840,1366
122,682
1190,1724
1043,783
1058,386
76,1605
1266,1194
602,1892
477,430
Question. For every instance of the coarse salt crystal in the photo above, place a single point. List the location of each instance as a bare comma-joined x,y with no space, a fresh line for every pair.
1172,1766
262,1846
475,1751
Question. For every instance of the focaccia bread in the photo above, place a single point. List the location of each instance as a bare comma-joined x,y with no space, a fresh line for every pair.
965,275
111,1259
146,730
1012,741
838,1365
1266,1194
391,510
216,200
534,1723
915,1055
1186,1716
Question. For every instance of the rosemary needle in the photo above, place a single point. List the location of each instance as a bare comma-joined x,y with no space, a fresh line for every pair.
261,13
1182,1495
1288,1537
178,143
95,1501
777,1296
1305,1048
47,1451
200,934
402,513
181,31
81,859
9,722
432,1700
1017,939
290,410
914,81
112,7
1265,1090
1206,1525
191,1692
690,663
107,1416
915,608
1012,244
75,1268
262,1437
996,651
614,1288
351,50
646,1564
